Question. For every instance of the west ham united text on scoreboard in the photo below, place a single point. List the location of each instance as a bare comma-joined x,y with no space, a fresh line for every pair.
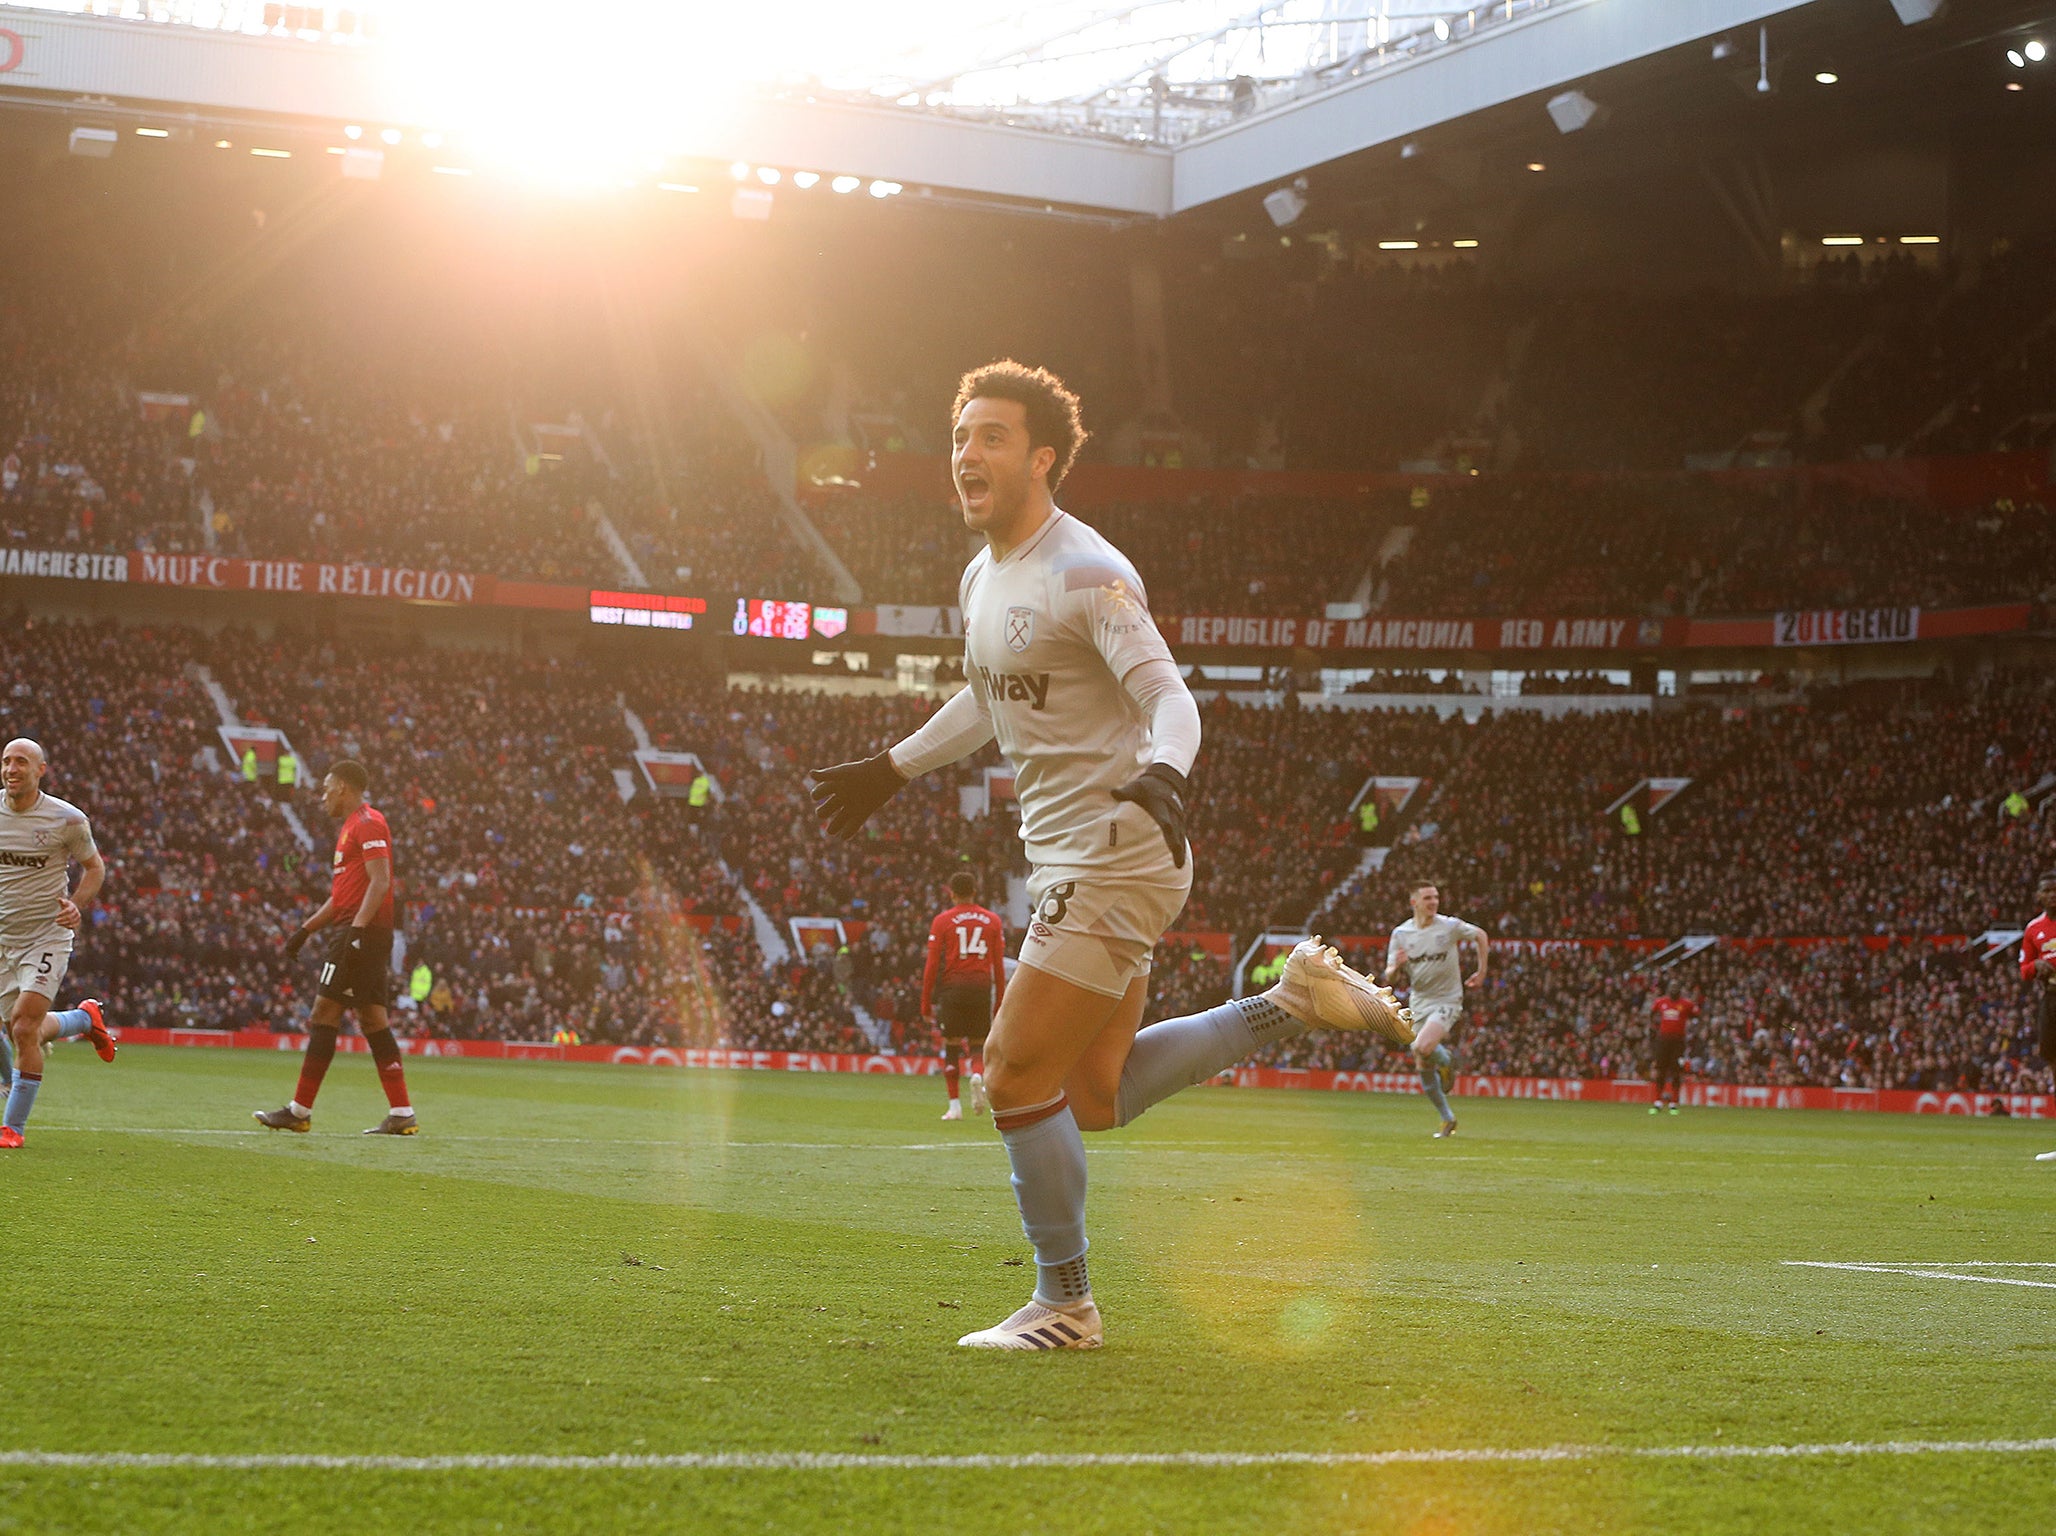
763,617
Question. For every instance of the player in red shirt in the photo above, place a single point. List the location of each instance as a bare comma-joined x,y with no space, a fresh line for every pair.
1673,1016
357,972
2038,965
962,984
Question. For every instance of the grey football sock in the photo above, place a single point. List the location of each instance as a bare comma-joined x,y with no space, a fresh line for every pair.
1431,1085
1181,1053
1049,1186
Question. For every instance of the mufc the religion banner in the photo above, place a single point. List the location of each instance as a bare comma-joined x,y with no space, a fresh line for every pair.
221,573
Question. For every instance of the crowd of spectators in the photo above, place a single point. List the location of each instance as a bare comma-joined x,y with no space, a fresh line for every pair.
1243,555
1874,810
81,466
540,898
199,879
1695,544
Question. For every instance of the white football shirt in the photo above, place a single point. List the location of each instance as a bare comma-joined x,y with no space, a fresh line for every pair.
36,847
1049,632
1434,969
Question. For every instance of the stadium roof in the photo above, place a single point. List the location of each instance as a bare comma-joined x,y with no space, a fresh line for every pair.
1155,71
1126,107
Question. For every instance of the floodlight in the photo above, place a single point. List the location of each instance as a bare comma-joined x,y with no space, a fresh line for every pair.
93,143
2035,51
389,135
847,183
1284,205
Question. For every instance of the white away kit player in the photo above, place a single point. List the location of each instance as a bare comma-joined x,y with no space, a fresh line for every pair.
1424,950
1068,674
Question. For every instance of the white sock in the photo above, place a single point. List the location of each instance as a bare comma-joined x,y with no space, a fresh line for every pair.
298,1108
404,1114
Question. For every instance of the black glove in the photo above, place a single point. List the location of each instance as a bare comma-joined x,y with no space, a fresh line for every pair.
295,940
1160,790
847,795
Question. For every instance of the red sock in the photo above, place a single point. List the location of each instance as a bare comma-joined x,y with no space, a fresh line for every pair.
392,1076
952,1076
321,1050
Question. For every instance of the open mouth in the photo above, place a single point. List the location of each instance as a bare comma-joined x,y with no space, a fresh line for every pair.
972,487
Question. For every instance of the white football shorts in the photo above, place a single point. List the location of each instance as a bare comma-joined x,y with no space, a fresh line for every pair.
33,965
1097,929
1443,1017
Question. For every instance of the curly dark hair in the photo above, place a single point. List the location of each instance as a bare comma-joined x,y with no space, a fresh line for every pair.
1054,420
351,772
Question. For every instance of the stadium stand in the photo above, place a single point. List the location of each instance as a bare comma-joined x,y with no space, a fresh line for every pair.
1865,823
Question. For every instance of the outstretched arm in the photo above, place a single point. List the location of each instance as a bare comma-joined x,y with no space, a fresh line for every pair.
953,732
849,794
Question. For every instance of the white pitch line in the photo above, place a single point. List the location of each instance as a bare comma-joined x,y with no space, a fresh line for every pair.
1922,1272
821,1461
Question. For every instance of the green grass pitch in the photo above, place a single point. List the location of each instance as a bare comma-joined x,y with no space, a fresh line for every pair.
1280,1272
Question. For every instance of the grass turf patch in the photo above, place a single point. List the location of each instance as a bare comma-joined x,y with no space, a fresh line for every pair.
1279,1272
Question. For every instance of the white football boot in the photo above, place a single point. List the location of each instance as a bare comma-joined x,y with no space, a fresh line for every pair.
954,1112
2045,1157
980,1104
1038,1327
1317,987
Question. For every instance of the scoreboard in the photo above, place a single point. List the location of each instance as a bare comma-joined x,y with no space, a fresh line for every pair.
769,619
765,618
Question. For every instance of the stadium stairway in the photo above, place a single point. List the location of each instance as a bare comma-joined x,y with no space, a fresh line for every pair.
780,461
1368,863
631,569
224,706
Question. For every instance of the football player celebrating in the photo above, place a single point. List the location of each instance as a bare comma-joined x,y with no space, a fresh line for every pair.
1068,673
964,979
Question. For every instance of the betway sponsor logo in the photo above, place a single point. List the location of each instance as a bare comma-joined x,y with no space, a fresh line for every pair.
1031,687
66,564
222,574
23,860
